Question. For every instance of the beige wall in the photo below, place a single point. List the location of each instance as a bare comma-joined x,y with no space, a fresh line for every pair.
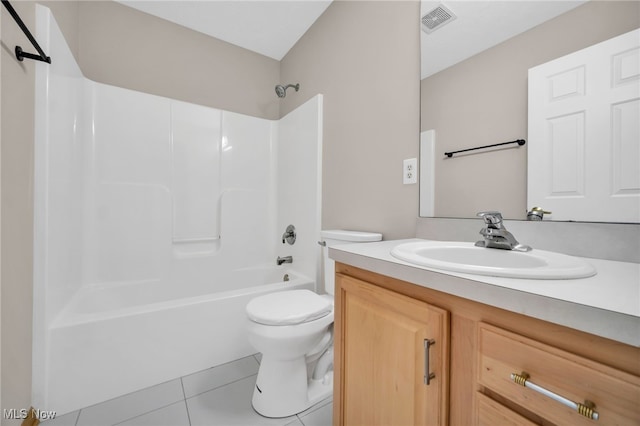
364,57
16,188
17,217
0,226
124,47
483,100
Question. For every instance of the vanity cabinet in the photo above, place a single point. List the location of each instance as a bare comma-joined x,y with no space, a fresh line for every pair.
592,390
394,353
380,323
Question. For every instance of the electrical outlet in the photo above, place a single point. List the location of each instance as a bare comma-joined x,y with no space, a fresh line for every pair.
410,171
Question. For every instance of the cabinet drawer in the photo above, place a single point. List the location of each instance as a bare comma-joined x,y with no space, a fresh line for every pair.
616,394
492,413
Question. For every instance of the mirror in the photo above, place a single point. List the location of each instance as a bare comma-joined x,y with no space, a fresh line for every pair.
474,93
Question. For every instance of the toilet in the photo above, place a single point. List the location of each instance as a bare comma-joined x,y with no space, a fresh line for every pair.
294,332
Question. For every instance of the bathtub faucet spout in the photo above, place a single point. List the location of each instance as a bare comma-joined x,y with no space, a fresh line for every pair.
286,259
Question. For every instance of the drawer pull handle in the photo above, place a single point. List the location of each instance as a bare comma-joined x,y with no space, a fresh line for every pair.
427,375
585,409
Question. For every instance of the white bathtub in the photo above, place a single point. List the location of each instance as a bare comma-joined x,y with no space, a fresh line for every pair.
114,339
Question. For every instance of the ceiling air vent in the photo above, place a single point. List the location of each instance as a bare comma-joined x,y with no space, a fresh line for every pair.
437,18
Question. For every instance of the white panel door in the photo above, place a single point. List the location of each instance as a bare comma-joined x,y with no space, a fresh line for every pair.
584,133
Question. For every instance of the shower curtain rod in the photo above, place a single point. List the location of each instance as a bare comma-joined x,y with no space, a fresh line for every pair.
20,54
520,142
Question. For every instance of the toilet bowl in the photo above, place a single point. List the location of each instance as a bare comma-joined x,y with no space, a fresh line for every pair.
294,332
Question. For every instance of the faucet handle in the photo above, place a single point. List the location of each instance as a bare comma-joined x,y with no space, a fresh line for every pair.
491,217
536,213
289,235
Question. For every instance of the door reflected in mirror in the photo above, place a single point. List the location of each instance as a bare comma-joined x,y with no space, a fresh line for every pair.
482,99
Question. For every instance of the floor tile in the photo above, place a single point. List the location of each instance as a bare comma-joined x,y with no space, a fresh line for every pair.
221,375
69,419
172,415
320,404
229,405
216,396
131,405
322,416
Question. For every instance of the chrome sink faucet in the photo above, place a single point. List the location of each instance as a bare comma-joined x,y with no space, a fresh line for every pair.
496,235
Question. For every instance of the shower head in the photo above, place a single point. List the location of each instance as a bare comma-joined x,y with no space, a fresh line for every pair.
281,90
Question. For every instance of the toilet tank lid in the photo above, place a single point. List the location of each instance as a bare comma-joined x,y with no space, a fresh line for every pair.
354,236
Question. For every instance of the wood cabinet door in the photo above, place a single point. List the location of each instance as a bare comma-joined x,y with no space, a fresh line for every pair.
382,357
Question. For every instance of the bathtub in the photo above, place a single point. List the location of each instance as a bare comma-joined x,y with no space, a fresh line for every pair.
114,339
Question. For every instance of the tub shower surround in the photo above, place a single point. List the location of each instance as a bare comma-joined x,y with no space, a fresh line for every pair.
156,222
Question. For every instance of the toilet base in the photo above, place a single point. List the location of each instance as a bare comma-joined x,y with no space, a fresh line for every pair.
282,388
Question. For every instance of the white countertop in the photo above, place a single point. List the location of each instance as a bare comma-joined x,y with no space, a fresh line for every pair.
607,304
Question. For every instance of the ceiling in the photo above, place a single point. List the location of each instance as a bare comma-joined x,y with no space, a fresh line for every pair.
267,27
272,27
480,25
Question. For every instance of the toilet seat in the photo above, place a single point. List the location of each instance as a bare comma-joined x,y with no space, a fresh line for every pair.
288,307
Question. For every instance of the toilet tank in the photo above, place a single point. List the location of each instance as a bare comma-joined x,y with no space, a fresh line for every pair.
336,237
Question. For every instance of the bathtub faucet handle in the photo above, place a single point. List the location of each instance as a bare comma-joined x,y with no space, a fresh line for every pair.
289,235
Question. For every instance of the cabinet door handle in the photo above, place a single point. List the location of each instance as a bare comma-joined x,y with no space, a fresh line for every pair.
427,375
585,409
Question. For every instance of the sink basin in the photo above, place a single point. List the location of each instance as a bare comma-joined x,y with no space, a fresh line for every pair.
467,258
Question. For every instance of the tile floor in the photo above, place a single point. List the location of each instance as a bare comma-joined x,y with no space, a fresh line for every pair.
219,396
